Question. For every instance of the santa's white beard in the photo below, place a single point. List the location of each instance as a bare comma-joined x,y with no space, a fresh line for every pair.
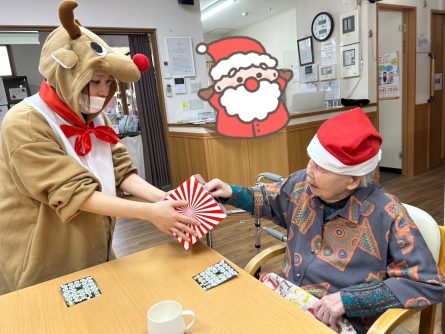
249,106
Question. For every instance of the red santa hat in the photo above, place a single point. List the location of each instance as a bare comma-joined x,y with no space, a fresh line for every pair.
347,144
235,53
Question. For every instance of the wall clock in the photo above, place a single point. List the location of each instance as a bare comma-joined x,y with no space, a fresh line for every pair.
322,26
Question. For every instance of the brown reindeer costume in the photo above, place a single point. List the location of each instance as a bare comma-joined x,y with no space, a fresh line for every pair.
43,181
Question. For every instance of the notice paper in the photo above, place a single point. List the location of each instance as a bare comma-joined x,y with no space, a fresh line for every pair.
3,111
3,99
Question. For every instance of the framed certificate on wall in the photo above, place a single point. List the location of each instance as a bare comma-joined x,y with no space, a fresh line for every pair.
305,51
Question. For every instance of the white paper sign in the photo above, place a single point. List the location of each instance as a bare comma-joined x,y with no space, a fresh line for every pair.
310,87
423,43
3,99
180,54
3,111
296,71
194,86
332,89
196,104
328,52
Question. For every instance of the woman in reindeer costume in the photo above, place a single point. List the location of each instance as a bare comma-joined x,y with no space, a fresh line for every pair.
60,164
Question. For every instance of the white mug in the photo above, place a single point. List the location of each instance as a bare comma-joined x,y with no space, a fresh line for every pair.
168,317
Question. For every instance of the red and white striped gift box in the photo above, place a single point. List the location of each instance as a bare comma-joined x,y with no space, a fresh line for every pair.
201,206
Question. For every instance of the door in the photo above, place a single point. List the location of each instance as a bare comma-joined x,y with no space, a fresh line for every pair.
437,118
391,28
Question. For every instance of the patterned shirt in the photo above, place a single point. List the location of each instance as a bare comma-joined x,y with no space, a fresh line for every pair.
368,247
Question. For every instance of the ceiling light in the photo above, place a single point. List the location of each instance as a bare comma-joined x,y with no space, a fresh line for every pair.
244,13
215,8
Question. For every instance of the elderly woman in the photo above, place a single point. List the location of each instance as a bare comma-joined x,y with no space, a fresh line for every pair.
348,240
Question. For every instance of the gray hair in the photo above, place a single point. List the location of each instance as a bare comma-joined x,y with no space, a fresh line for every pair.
365,180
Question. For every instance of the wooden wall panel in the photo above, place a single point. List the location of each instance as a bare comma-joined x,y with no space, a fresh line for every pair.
180,164
197,151
298,138
421,139
229,160
268,154
239,161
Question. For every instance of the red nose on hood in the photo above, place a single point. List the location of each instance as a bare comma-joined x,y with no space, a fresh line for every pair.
141,61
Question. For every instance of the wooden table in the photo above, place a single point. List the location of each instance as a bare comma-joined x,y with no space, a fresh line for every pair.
130,285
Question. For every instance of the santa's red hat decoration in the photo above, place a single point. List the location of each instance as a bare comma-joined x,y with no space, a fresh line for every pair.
235,53
347,144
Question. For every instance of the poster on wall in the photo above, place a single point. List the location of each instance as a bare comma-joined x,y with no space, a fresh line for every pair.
328,52
332,89
3,99
3,111
180,54
389,76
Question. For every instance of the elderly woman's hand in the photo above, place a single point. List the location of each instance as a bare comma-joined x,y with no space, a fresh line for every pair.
329,309
218,188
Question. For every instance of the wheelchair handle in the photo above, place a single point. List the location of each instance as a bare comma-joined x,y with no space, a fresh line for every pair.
235,212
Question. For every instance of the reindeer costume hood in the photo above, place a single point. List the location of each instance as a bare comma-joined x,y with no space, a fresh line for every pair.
43,232
71,54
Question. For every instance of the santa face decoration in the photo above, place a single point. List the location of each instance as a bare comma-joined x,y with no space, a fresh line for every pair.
247,90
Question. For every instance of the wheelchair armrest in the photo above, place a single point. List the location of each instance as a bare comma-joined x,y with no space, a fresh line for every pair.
390,319
264,256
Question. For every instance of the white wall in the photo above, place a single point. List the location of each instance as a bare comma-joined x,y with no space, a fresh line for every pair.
169,18
278,34
266,32
306,11
423,27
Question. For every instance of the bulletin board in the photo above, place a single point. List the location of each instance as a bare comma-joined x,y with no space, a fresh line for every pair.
180,55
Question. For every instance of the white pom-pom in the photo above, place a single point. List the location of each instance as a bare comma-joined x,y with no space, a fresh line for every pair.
202,48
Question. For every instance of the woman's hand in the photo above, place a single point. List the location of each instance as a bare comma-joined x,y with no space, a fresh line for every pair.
164,216
329,310
218,188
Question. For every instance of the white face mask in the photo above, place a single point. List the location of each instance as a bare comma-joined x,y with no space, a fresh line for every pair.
95,105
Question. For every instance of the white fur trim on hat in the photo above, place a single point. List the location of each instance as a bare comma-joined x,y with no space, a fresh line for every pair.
326,160
239,60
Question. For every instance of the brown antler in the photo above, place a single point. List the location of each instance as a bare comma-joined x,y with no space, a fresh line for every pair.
66,17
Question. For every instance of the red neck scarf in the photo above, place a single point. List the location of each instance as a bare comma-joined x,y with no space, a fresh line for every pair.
83,144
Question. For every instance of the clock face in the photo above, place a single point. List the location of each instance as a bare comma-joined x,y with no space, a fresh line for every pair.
322,26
